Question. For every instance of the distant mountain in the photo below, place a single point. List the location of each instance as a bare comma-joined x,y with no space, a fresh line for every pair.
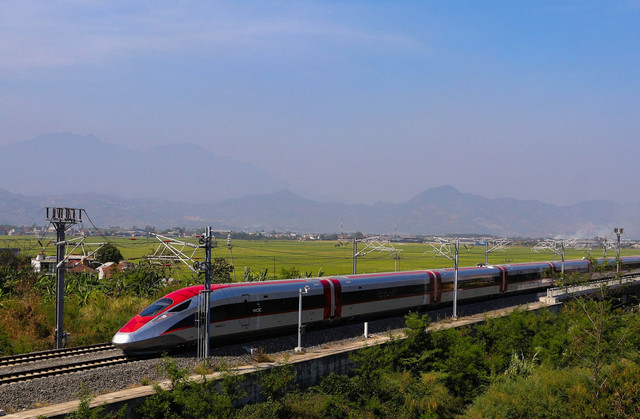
445,209
68,163
442,210
18,209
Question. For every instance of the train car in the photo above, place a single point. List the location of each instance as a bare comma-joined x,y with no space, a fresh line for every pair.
246,309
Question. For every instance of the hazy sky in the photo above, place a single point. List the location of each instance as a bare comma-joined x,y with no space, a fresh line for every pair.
356,101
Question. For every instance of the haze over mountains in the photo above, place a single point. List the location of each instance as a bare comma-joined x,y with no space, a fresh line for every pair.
162,187
62,163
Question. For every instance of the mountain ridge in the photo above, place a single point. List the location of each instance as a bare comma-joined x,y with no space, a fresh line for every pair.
437,211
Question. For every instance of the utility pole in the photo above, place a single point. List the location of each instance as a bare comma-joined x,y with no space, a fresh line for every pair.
355,255
203,318
562,253
455,282
373,244
497,244
486,252
62,219
231,254
443,248
304,290
618,232
557,247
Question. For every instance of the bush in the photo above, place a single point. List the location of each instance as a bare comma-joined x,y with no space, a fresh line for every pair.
546,393
5,344
277,382
190,399
290,273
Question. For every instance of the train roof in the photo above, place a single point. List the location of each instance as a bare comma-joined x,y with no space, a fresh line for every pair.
188,292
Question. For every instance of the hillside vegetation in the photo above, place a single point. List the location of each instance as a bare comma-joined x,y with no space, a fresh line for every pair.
582,362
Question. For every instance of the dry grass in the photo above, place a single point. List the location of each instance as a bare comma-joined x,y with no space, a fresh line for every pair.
262,356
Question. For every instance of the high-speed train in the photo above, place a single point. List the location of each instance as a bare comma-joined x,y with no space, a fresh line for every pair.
246,309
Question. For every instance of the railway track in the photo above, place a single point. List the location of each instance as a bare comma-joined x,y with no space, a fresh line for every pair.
13,360
33,373
25,367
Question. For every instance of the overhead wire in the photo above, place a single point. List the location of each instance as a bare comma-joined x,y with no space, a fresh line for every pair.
94,226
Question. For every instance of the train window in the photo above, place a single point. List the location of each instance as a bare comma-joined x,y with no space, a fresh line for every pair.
181,307
156,307
479,282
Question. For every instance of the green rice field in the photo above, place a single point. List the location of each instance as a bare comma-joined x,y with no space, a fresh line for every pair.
312,257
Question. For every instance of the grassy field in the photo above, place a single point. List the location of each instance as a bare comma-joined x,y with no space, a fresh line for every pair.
314,257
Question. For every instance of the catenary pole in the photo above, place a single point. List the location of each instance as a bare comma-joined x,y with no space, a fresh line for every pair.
455,281
61,219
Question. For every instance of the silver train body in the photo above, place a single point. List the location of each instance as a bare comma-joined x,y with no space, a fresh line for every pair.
240,310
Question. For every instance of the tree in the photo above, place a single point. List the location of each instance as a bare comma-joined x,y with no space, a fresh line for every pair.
277,382
109,253
221,270
417,351
465,365
598,334
16,274
145,280
10,260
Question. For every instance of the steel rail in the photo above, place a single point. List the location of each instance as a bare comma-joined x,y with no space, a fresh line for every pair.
13,360
63,369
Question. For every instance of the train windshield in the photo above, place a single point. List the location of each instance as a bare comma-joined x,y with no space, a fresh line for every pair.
181,307
156,307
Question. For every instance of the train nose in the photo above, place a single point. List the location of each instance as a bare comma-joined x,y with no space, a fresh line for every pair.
123,340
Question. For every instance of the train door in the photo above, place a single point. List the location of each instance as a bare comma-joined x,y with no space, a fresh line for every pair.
432,287
503,279
437,291
336,298
245,318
